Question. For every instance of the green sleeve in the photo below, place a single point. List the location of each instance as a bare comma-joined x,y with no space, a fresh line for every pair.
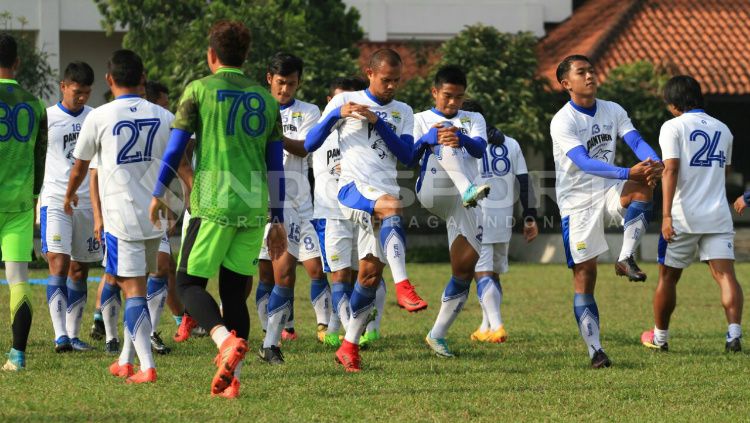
40,151
187,117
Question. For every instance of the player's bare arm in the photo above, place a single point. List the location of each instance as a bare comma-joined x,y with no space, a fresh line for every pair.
296,147
96,204
668,188
77,175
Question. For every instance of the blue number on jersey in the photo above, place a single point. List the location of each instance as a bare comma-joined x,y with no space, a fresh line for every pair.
708,149
125,155
9,120
254,108
499,154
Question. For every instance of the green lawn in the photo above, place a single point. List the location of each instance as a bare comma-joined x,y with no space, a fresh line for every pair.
542,372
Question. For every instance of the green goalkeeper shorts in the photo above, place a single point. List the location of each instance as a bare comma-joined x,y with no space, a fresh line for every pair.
207,245
17,235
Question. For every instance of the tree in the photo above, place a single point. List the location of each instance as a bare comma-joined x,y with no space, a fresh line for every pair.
35,73
501,72
171,37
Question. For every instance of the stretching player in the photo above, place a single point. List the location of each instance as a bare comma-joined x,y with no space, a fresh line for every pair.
67,241
297,117
697,151
584,134
375,131
236,125
501,165
124,135
23,147
338,235
460,135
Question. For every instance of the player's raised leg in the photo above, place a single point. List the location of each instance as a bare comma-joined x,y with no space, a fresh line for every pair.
637,199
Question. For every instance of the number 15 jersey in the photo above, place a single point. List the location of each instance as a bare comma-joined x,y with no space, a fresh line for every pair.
704,147
127,135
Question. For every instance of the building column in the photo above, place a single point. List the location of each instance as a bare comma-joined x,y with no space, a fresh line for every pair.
49,37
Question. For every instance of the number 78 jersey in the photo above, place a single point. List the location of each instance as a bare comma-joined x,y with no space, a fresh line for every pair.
703,145
128,136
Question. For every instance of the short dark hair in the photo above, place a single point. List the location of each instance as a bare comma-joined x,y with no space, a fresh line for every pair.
80,73
472,106
450,74
285,64
347,84
126,68
231,42
564,67
8,50
684,93
387,55
154,89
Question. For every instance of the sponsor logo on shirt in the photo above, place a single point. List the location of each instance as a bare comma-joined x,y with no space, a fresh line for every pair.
580,246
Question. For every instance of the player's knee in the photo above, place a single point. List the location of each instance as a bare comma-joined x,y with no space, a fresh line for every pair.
58,264
265,271
387,206
78,271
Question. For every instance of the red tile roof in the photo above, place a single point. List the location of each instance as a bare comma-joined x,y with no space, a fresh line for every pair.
708,39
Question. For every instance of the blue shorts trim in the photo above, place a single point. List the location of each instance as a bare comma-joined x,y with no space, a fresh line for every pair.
352,198
661,249
566,241
423,168
320,229
43,228
111,245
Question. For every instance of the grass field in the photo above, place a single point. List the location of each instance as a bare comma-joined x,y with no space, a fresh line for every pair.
542,372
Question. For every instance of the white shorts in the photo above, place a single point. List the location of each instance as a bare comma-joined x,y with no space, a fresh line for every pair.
128,259
682,250
302,240
357,202
583,231
70,235
445,202
164,246
493,258
342,238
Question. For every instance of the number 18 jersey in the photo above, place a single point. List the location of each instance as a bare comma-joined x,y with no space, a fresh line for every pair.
704,147
127,135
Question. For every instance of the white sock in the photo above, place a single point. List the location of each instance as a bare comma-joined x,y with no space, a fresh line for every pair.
345,313
452,162
454,298
393,242
77,295
485,325
138,323
127,355
321,301
334,324
492,298
238,370
219,335
357,324
262,309
635,224
734,331
660,336
110,314
156,296
379,306
57,302
587,316
276,322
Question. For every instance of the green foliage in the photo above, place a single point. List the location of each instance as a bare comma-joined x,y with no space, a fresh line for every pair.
34,74
637,88
501,71
172,37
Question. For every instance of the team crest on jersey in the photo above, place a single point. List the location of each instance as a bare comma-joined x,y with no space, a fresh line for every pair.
297,115
396,115
465,120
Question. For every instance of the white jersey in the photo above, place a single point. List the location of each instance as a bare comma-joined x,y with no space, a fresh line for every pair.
365,159
703,145
498,169
63,128
573,126
129,135
297,119
327,170
469,123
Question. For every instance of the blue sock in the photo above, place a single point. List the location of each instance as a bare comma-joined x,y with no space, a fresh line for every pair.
77,294
138,322
338,293
320,297
482,285
454,297
361,303
136,311
393,241
263,289
279,304
317,288
110,293
637,217
587,317
55,284
279,298
177,320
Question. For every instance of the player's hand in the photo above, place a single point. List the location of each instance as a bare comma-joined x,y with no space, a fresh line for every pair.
642,172
667,231
69,203
740,205
157,212
657,169
447,137
98,228
276,241
530,230
357,111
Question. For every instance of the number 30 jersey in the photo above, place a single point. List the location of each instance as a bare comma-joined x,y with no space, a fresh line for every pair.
64,127
233,118
128,136
704,147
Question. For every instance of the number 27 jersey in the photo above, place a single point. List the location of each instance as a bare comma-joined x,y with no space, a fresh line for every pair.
704,147
128,135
